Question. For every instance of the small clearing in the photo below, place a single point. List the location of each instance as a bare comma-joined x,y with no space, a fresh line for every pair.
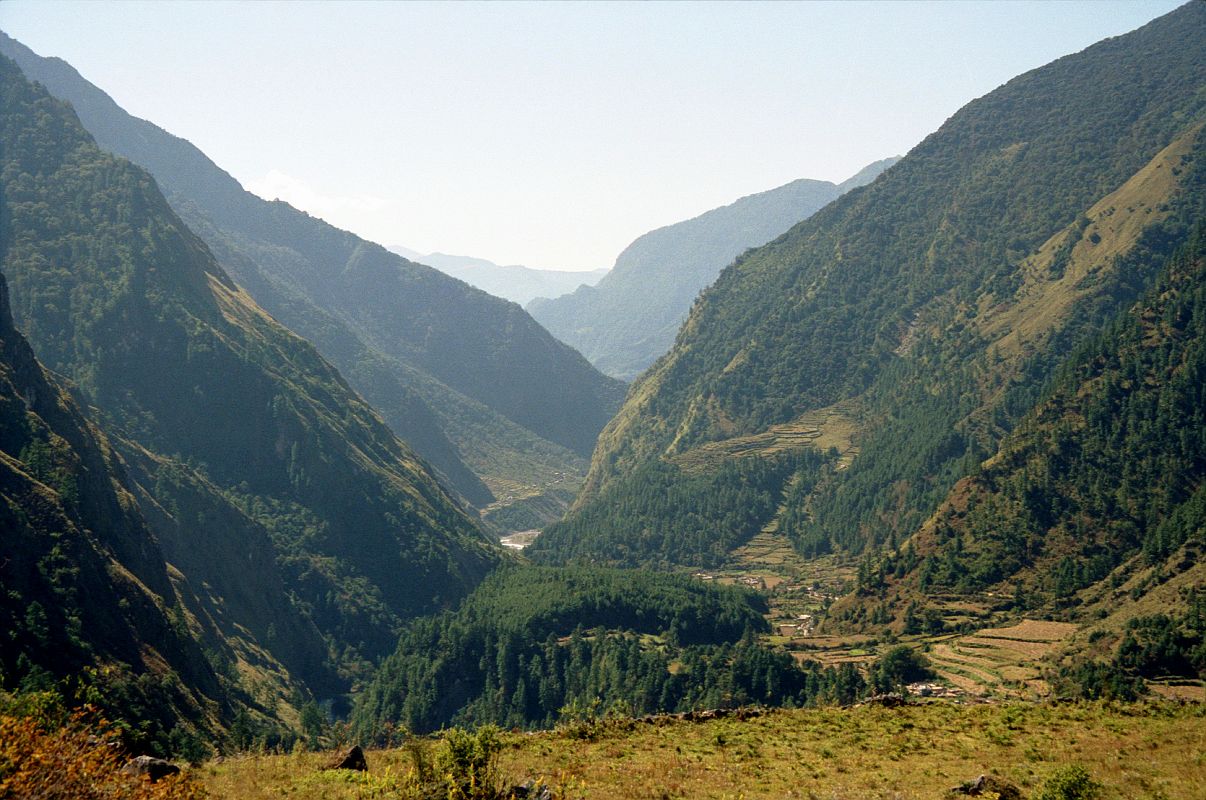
519,540
824,428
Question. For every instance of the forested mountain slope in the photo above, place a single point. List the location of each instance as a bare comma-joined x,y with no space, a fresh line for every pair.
283,496
630,317
1106,478
442,361
911,323
83,584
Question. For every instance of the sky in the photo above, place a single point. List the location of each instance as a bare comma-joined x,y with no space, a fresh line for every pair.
549,134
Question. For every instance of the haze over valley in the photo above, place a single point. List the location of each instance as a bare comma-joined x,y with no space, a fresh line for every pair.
858,443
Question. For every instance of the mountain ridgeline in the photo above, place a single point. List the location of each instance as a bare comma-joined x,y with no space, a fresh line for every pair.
513,282
980,375
629,319
910,324
487,396
305,530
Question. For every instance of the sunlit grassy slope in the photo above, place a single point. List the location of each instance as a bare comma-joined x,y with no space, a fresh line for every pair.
1142,751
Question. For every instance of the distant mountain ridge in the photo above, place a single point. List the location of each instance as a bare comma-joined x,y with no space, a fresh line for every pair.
441,361
630,318
515,282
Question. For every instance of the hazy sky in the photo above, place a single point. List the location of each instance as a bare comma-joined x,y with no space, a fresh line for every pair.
549,134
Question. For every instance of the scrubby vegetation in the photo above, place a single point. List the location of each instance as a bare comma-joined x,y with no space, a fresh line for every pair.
1072,782
910,753
76,759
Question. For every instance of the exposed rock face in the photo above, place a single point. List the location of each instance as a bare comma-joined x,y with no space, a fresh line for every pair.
352,758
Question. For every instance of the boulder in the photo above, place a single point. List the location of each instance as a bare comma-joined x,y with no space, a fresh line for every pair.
153,768
352,758
531,790
887,700
988,785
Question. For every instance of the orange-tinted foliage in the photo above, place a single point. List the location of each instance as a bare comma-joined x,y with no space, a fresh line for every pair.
75,762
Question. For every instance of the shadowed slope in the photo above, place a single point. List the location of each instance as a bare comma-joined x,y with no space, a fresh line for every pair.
412,340
187,370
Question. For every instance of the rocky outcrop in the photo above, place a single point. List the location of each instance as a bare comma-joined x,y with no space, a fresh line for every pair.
154,768
352,758
987,786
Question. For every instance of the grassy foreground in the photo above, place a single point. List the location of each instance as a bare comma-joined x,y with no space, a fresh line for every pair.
1133,751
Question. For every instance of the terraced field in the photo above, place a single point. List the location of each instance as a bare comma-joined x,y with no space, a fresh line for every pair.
823,429
798,590
992,662
1004,663
1000,662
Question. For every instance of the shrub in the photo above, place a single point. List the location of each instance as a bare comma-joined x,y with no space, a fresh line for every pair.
1096,680
75,761
469,763
1071,782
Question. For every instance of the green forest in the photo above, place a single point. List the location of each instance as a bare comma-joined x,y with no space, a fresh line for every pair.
667,516
887,299
537,645
1111,464
247,455
256,473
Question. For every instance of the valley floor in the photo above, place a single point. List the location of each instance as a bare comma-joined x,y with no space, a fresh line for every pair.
1148,750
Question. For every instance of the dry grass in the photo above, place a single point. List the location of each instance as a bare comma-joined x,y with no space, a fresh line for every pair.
1141,751
1033,630
1115,224
1001,662
824,428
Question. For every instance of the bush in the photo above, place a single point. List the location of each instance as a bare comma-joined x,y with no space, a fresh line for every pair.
1071,782
1096,680
582,720
75,761
468,763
